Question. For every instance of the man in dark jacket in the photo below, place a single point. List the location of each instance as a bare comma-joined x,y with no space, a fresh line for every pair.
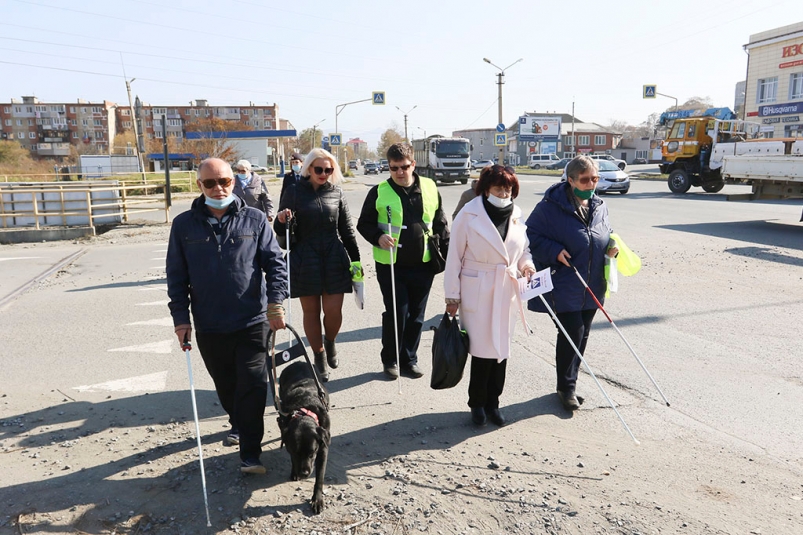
216,257
416,211
294,175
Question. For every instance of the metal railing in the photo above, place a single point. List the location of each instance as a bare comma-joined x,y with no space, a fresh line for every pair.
77,203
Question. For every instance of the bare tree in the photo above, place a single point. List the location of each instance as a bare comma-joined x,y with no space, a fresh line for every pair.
389,137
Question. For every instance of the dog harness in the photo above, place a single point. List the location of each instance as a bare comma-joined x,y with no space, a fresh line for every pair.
305,412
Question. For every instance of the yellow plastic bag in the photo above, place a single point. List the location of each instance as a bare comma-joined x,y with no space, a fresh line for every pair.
628,263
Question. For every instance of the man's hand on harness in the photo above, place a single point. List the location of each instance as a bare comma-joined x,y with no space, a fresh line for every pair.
276,317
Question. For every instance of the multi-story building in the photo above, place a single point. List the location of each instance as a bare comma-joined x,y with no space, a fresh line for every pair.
774,89
179,118
587,138
359,147
48,129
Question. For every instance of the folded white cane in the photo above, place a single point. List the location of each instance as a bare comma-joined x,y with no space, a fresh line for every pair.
393,293
588,368
186,346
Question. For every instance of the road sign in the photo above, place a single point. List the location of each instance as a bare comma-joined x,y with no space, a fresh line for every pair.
500,127
378,98
335,139
531,143
650,91
500,140
325,139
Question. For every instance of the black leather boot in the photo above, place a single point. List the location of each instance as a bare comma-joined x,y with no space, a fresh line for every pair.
331,353
320,366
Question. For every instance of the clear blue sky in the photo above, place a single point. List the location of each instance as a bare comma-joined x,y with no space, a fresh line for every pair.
310,56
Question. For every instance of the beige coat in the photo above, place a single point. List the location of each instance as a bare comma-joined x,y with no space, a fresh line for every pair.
481,271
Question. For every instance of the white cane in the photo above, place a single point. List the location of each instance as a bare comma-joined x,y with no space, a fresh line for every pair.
186,346
393,293
588,368
287,264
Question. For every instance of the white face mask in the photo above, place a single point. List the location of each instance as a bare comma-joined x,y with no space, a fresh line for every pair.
499,202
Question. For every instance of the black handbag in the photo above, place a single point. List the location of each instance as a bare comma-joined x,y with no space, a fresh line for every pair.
449,354
437,257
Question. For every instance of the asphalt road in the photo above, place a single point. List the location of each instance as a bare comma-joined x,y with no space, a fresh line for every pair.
714,315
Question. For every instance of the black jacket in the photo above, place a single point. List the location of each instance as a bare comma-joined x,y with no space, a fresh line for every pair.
411,238
289,179
223,282
323,243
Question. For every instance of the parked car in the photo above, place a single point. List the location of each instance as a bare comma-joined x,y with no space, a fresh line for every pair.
621,164
258,168
537,161
383,165
611,178
560,164
482,164
473,164
639,161
353,164
371,167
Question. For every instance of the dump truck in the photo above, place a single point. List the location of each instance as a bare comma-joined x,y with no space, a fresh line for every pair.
444,159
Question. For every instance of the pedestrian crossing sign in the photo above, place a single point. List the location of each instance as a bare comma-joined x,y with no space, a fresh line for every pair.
650,91
378,98
500,140
334,140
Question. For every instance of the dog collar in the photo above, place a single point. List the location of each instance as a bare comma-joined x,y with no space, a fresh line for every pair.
305,412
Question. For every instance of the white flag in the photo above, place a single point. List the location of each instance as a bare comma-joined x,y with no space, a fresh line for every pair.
539,283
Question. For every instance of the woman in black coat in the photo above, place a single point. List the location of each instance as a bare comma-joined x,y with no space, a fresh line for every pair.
571,223
322,251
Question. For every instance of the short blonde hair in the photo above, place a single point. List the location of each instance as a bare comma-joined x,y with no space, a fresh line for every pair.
336,177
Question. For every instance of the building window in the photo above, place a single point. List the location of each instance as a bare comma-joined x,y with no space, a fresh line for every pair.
6,109
159,111
796,85
41,108
84,122
30,122
158,134
21,135
126,112
583,140
72,109
767,90
174,122
599,140
31,135
98,135
568,154
97,122
150,136
148,124
19,122
8,122
73,122
641,154
83,110
96,109
126,124
75,135
197,113
568,140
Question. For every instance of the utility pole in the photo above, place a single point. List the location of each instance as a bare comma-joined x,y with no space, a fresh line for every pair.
312,141
339,108
574,141
405,120
136,129
501,80
168,200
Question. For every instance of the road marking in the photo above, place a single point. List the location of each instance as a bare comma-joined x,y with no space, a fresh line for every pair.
157,259
161,322
157,267
152,289
163,347
159,251
21,258
154,382
154,304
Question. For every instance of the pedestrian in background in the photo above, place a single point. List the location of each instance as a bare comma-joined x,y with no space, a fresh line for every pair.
294,175
416,211
216,257
250,188
488,253
322,254
465,197
571,223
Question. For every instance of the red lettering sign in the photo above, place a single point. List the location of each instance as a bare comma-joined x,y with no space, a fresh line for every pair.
793,50
788,64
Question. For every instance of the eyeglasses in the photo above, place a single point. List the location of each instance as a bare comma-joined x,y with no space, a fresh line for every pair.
586,181
497,167
210,183
323,171
394,168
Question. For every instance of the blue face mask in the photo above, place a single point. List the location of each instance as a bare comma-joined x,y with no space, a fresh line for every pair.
219,204
242,177
296,168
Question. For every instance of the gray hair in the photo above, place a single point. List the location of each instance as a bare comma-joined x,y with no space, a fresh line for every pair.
335,178
580,164
245,164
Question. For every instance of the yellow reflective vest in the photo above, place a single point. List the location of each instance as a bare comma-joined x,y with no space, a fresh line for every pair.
386,197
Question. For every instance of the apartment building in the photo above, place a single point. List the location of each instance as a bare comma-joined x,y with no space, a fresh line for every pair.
48,129
178,118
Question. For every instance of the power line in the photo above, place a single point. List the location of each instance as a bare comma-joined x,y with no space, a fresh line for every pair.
482,114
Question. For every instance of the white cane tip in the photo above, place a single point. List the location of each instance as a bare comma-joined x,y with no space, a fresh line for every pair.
209,524
637,442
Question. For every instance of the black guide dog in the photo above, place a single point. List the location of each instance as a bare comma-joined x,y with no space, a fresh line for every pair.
305,426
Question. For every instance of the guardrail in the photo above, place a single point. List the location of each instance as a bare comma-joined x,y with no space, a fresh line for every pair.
77,203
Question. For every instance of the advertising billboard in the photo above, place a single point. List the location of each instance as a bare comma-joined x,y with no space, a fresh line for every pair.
539,128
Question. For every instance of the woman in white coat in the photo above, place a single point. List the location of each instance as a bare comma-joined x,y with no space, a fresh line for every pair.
488,252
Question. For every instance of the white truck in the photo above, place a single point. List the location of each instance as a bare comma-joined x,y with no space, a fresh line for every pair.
774,167
445,159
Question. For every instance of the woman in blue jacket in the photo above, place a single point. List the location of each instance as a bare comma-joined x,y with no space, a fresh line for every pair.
571,223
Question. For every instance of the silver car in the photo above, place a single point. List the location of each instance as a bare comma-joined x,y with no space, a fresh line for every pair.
611,178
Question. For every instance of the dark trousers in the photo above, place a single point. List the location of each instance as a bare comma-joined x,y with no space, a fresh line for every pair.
486,383
567,363
412,291
236,362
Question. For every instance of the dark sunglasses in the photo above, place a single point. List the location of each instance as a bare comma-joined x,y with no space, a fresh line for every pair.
323,171
394,168
210,183
496,168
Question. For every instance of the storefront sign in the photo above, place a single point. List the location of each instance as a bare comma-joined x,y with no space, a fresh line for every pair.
780,109
771,120
792,119
793,50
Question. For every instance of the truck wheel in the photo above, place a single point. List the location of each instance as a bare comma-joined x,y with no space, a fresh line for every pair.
679,181
464,181
713,187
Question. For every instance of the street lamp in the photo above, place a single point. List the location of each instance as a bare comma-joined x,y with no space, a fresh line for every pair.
312,143
425,132
501,76
405,119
